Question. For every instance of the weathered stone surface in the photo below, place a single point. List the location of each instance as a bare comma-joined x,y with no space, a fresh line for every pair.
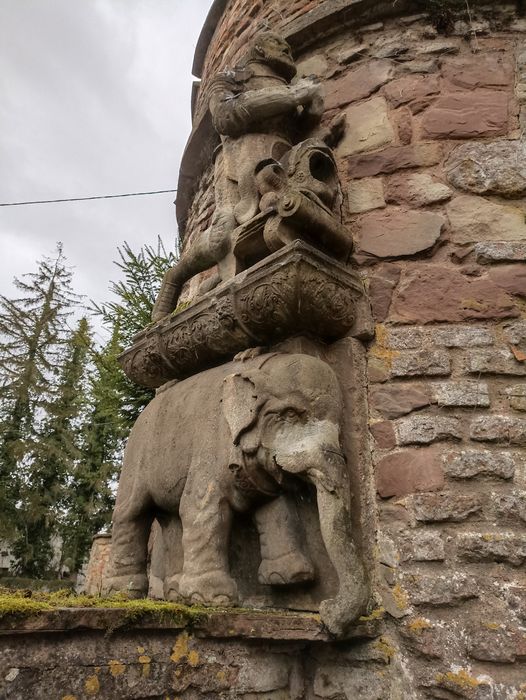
383,433
396,233
396,400
515,332
405,338
445,506
422,546
368,128
440,46
461,394
421,363
417,189
500,547
358,84
474,219
433,293
404,125
424,638
389,160
314,65
334,680
496,642
422,430
503,251
467,115
517,396
364,195
429,65
462,336
512,278
498,167
511,506
409,88
470,463
479,71
452,589
502,429
381,288
408,472
494,362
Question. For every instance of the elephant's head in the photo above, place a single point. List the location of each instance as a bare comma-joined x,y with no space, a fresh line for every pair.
286,413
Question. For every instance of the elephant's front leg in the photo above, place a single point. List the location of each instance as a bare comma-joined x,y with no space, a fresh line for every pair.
206,518
351,600
282,559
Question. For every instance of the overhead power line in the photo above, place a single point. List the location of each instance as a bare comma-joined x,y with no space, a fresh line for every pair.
84,199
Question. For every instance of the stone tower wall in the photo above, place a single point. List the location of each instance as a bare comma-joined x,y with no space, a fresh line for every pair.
434,175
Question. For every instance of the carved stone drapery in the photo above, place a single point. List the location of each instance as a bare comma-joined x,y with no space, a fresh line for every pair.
297,290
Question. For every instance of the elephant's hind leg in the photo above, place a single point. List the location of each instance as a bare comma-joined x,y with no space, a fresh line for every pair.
129,549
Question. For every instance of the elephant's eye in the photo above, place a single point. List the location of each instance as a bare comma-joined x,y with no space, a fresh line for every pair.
291,414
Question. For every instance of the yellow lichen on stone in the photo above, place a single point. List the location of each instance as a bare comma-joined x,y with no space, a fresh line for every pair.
69,697
221,676
461,678
492,625
144,659
419,625
193,657
180,648
116,668
141,650
92,685
376,614
400,597
384,645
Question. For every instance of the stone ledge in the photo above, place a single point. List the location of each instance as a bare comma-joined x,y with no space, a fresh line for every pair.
229,624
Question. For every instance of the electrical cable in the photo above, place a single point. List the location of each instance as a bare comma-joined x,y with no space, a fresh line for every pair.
83,199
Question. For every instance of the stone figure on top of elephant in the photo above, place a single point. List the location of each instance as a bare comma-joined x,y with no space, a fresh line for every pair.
262,118
235,438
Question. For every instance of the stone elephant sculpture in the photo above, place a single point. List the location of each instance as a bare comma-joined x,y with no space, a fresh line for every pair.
233,438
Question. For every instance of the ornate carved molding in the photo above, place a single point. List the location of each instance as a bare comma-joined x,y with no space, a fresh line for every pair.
297,290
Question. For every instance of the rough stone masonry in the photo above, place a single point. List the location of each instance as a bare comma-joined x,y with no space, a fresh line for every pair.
433,168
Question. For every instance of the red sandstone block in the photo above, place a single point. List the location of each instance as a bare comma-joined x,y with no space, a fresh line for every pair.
408,472
461,115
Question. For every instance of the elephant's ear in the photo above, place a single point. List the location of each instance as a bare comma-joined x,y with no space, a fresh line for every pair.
241,405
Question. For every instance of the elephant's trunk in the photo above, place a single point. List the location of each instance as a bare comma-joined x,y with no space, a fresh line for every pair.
350,602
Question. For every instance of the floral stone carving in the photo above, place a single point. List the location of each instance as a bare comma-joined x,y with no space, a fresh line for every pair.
297,290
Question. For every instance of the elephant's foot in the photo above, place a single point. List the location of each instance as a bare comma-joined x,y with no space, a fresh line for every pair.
212,588
286,570
171,588
338,614
134,585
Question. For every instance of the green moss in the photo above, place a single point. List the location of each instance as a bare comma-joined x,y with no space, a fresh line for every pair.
182,306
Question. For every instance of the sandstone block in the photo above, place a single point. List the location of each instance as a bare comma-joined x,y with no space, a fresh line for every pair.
470,463
461,394
502,251
515,332
381,288
383,433
461,336
422,430
512,278
411,87
364,195
334,680
502,429
497,167
445,506
314,65
499,547
422,546
452,589
494,362
405,338
421,363
389,160
396,400
368,128
496,643
474,219
471,114
511,506
517,396
434,293
417,189
440,46
358,84
395,233
479,71
410,471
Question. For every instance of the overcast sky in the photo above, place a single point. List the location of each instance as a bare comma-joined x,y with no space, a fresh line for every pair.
95,100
